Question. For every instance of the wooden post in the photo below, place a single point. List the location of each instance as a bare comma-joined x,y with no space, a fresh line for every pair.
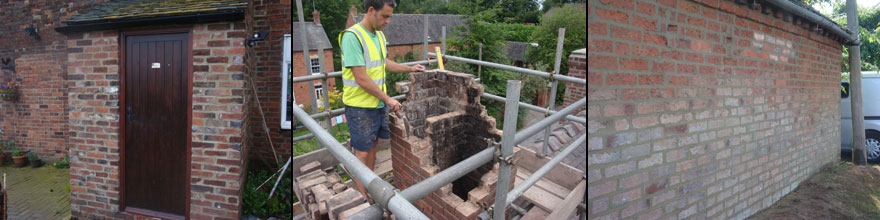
855,85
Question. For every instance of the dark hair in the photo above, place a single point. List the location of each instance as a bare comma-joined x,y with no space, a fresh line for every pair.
378,4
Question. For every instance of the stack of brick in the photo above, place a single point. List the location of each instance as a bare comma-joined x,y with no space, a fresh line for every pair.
445,124
325,196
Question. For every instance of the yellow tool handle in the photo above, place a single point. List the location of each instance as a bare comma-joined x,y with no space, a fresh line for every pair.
439,57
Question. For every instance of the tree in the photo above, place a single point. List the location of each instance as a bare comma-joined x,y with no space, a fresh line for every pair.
570,17
548,4
334,14
518,11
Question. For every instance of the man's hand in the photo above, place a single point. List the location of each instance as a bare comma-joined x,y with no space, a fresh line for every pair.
393,104
417,68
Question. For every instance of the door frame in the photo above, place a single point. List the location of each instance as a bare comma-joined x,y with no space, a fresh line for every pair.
122,122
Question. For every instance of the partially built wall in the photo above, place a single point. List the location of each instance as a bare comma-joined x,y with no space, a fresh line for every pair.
705,109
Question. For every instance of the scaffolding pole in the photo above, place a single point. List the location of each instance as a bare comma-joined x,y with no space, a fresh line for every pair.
534,108
531,180
533,129
514,69
305,47
511,108
560,39
399,206
339,73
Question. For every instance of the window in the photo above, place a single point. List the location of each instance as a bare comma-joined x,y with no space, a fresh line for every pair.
319,95
844,90
287,99
316,66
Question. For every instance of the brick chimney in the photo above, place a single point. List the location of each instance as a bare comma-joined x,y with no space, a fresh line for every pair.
352,12
447,124
316,16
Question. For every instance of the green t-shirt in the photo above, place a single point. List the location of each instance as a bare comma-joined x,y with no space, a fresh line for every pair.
353,53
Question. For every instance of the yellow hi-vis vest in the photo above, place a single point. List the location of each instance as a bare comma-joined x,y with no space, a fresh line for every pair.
374,60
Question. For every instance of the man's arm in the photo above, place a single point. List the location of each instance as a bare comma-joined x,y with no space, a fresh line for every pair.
392,66
363,80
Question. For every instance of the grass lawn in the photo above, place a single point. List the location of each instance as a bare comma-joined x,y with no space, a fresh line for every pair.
340,132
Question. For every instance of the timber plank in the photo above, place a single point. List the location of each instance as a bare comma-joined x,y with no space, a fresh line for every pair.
569,205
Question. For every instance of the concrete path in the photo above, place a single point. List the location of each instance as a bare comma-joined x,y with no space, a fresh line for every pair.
37,193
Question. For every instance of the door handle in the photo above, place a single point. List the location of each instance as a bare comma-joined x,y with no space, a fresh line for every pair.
128,114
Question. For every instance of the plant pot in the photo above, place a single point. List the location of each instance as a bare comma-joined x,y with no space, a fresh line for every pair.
19,161
36,163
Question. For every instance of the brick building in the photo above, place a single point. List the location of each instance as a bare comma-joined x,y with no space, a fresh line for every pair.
705,109
317,38
119,85
447,124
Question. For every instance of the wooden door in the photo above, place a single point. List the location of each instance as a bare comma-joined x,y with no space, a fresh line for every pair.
156,109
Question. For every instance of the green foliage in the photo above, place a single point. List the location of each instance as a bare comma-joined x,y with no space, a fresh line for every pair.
514,32
32,156
334,14
869,27
255,200
548,4
570,17
340,132
64,163
16,152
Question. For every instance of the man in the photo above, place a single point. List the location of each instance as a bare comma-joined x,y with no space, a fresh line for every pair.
363,77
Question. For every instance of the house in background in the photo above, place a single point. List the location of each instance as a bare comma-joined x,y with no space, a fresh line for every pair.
317,38
119,85
405,33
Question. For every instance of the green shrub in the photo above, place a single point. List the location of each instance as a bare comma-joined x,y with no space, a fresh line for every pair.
256,202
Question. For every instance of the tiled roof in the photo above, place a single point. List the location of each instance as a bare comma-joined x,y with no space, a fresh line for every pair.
409,28
139,9
315,35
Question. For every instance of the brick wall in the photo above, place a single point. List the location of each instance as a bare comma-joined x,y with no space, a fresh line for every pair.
218,114
704,110
577,67
38,121
273,16
447,125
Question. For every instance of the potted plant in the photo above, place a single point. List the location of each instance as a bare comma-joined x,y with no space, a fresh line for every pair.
9,92
18,157
34,160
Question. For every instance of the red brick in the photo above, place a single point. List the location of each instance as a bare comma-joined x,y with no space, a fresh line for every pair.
634,93
641,50
599,45
613,15
623,33
645,8
602,62
597,29
703,46
624,4
644,23
655,39
594,78
652,79
635,64
621,79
